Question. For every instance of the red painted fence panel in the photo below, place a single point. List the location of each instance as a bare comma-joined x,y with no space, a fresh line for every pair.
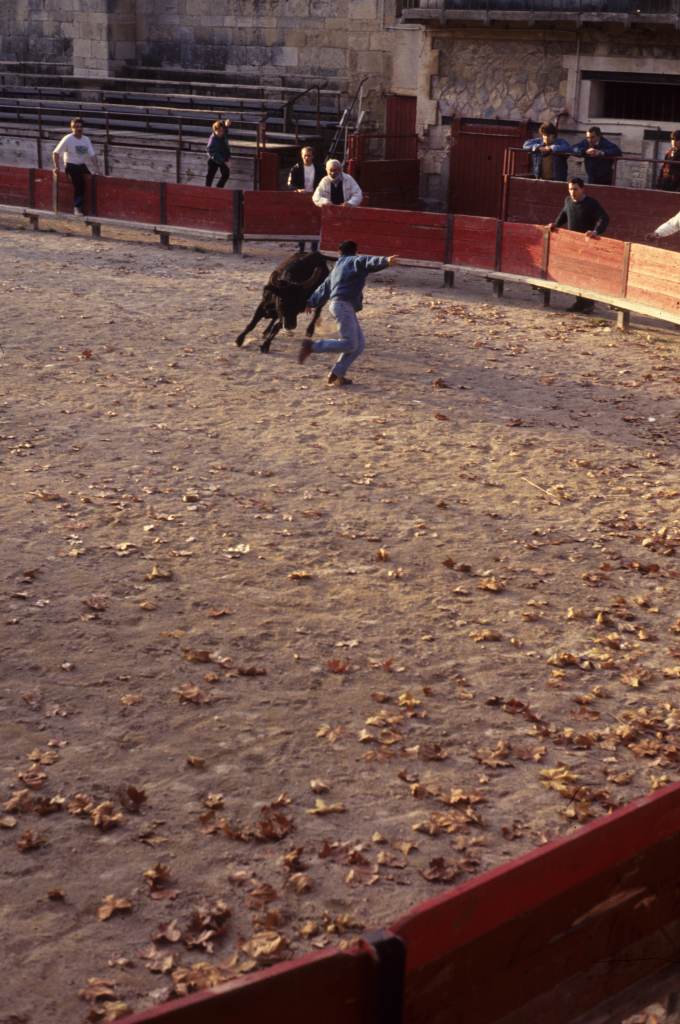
390,184
192,206
414,236
338,988
283,213
14,189
594,264
474,241
556,931
633,212
125,199
654,277
522,249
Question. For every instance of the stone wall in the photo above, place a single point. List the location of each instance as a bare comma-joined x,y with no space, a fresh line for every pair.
36,30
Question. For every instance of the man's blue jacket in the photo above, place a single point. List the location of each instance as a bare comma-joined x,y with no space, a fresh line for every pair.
560,150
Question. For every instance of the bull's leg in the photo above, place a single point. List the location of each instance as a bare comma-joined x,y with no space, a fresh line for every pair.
257,316
271,332
312,323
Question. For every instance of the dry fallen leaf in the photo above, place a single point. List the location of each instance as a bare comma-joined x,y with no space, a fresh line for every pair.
321,807
30,840
111,905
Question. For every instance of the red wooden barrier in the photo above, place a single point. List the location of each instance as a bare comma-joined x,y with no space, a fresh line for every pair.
14,189
474,241
522,249
633,212
338,988
602,904
267,169
654,278
125,199
194,206
280,213
411,235
596,264
390,184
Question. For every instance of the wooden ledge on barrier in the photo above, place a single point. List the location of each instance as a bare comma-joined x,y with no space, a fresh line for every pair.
164,231
624,307
280,238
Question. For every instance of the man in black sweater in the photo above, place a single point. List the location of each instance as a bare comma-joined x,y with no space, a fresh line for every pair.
581,213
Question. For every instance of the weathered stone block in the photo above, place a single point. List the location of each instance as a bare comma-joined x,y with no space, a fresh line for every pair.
363,9
373,63
285,56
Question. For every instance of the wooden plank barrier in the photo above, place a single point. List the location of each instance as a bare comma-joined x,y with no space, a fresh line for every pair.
523,247
592,264
654,278
411,235
43,191
633,212
633,278
389,183
125,199
280,214
557,931
338,987
195,206
474,241
14,186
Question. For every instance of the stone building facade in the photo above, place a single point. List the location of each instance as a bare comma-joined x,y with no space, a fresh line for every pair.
510,67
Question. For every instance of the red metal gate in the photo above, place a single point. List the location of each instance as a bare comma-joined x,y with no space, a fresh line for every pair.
476,164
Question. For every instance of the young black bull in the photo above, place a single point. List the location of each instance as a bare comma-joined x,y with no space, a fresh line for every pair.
285,296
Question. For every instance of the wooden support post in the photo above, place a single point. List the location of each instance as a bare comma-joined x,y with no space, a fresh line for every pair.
96,230
623,319
498,289
546,296
237,221
34,221
449,279
164,238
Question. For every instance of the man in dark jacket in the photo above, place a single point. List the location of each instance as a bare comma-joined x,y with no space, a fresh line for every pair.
548,154
304,177
581,213
598,156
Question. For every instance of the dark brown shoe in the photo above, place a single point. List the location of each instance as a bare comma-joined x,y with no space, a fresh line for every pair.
305,350
334,380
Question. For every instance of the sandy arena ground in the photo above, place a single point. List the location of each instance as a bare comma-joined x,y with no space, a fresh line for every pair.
280,661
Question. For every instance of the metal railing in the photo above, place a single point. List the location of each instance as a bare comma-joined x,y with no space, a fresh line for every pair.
627,171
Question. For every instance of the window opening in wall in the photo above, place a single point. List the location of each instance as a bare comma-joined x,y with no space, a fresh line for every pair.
635,98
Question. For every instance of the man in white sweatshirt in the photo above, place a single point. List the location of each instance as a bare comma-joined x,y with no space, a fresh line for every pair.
76,150
337,188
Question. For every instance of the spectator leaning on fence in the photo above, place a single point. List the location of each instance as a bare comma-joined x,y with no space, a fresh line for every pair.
598,156
219,153
581,213
76,149
304,177
548,154
669,227
669,175
337,188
